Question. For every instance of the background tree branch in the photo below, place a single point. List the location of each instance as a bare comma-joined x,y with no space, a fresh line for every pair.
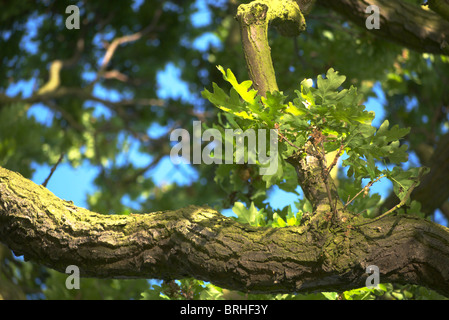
401,22
431,192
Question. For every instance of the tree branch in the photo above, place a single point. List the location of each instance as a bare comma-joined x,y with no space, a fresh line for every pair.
56,66
441,7
80,93
128,38
199,242
401,22
44,184
254,19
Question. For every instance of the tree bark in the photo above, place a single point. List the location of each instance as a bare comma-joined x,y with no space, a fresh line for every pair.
254,19
400,22
441,7
199,242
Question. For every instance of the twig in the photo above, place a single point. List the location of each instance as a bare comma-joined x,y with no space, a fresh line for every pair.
128,38
363,190
276,127
53,170
400,204
403,201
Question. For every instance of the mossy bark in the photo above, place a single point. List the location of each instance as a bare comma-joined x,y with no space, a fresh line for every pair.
199,242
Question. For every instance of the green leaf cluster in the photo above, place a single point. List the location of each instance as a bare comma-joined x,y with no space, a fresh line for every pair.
259,218
331,110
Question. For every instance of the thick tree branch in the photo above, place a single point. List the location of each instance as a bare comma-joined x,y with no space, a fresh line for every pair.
201,243
254,19
441,7
401,22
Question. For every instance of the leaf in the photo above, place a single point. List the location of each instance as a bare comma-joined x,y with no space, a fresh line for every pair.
404,180
371,167
327,88
211,292
294,110
388,135
278,222
307,207
296,122
274,101
272,179
242,88
250,216
330,295
293,219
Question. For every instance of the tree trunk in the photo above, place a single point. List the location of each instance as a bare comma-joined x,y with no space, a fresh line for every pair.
199,242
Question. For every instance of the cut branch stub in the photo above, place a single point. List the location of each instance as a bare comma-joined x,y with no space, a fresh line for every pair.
254,19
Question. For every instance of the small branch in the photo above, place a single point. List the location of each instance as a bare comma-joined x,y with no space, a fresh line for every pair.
364,189
321,155
82,94
71,62
54,80
276,127
128,38
400,204
403,201
66,116
445,210
53,170
115,74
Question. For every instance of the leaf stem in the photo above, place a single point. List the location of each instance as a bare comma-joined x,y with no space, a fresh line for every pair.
276,127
